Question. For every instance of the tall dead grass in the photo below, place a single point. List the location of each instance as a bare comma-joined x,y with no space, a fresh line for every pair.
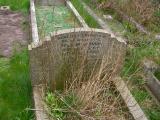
141,10
90,79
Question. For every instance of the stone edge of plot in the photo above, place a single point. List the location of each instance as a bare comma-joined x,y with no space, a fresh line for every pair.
37,91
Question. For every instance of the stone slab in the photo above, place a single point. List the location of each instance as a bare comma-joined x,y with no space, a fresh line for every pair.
130,101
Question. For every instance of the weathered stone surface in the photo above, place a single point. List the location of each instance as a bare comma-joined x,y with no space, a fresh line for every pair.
35,37
149,66
157,37
99,44
38,96
151,81
130,101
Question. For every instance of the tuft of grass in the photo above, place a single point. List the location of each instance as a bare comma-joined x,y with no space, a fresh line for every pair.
86,16
22,5
59,107
15,88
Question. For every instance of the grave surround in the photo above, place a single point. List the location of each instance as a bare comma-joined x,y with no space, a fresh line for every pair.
104,43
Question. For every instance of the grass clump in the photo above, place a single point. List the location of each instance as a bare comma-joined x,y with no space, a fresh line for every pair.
22,5
60,106
15,88
86,16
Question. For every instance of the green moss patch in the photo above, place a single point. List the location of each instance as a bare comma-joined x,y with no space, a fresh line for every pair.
52,18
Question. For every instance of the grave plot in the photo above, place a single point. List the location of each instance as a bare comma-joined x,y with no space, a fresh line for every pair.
74,72
79,73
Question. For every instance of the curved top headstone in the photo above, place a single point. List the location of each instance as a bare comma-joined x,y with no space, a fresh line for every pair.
94,43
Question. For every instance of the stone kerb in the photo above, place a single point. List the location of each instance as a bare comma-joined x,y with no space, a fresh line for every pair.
100,45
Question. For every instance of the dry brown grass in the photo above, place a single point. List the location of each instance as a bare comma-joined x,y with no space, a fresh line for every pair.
141,10
91,81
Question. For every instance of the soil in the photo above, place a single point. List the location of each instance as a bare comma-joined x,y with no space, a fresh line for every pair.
13,34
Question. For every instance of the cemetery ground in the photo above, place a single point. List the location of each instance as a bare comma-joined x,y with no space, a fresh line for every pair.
15,83
140,47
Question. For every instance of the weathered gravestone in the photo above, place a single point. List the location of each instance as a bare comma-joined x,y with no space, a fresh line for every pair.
94,43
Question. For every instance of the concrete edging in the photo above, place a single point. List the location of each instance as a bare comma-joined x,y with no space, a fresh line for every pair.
38,95
130,101
37,91
152,83
75,12
35,36
154,86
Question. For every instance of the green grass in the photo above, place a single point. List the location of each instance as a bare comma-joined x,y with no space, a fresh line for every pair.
145,100
22,5
88,18
114,25
143,49
59,106
15,88
133,73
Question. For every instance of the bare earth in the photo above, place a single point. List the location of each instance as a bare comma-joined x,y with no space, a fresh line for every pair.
12,33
